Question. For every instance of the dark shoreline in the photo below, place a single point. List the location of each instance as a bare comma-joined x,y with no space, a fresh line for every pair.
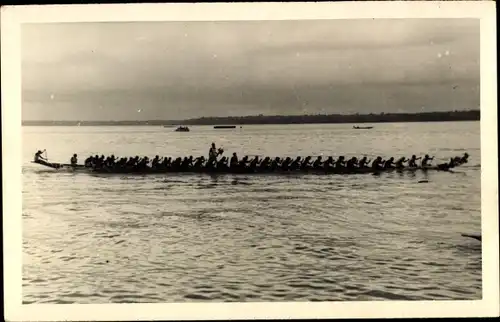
451,116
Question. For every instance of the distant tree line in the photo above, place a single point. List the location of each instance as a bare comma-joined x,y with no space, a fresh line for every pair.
450,116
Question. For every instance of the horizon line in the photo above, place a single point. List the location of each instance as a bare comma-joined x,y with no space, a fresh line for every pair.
263,116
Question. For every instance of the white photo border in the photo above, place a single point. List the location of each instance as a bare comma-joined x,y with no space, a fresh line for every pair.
13,16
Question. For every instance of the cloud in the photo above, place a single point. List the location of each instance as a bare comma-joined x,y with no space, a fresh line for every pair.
189,69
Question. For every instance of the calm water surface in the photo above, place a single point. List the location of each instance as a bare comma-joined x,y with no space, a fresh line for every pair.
101,239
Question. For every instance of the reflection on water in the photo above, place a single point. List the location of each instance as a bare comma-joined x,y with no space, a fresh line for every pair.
101,239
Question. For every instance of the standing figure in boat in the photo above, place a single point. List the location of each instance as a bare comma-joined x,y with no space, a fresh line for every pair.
213,153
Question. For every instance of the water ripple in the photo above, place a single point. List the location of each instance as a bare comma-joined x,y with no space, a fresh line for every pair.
126,239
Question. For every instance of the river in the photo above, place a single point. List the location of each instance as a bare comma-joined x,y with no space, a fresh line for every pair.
112,239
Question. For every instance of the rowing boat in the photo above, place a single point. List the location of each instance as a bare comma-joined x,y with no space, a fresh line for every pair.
238,170
225,127
182,129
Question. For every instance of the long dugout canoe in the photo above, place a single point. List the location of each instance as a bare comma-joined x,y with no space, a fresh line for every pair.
229,171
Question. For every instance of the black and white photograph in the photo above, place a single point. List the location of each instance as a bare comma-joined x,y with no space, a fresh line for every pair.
268,160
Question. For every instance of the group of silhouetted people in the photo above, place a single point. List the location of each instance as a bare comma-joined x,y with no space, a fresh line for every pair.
266,164
255,164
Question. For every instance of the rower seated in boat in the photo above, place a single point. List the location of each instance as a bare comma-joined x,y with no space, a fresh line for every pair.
318,162
111,161
88,162
244,162
363,163
176,163
340,163
98,162
38,157
464,159
186,163
198,162
389,164
275,164
222,163
74,160
295,164
328,164
129,162
426,159
377,164
351,163
120,163
93,160
264,164
285,165
143,164
102,161
400,162
306,163
155,161
254,162
412,163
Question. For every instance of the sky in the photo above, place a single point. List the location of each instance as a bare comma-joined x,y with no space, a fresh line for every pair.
180,70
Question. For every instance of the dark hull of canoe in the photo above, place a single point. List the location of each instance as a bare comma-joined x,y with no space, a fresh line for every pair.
261,172
60,166
477,237
245,171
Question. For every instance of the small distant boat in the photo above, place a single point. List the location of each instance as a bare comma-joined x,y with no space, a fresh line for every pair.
362,127
182,129
225,127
